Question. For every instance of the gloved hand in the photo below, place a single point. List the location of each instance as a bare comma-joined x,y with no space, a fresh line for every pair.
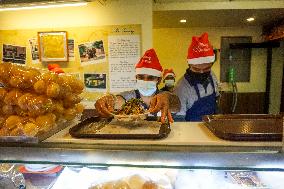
161,102
105,105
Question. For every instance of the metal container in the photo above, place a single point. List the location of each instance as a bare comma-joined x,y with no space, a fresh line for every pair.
246,127
85,129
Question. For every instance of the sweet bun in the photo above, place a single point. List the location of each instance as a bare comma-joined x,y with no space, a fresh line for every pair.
107,185
121,185
136,182
150,185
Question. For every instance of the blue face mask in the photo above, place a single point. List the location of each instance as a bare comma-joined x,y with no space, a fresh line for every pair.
146,88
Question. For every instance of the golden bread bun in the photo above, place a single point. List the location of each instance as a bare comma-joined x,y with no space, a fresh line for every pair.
136,182
149,185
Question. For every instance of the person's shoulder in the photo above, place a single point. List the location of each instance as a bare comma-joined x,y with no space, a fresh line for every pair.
182,86
182,83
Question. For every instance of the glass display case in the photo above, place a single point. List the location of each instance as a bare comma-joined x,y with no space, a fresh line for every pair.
59,165
191,156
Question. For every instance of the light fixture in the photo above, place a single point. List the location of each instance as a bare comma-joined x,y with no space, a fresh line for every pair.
41,5
250,19
182,21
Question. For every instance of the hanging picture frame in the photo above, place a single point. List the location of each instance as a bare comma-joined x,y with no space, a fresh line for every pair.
53,46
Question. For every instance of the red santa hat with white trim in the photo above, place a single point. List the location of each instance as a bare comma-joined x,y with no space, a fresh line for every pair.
149,64
200,50
168,72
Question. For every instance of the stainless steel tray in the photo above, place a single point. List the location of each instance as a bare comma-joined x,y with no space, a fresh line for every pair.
78,131
246,127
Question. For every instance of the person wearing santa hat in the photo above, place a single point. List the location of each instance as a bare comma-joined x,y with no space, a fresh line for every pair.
148,75
169,80
198,89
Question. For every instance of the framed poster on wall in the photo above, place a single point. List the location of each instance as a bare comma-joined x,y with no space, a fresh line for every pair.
53,46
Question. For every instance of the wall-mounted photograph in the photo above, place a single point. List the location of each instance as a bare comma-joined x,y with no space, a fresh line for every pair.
53,46
92,52
95,82
14,54
34,50
71,49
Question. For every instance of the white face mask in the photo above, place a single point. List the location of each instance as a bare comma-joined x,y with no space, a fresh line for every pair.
146,88
169,82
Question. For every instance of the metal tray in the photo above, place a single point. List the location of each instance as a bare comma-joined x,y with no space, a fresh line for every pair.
76,131
249,127
41,136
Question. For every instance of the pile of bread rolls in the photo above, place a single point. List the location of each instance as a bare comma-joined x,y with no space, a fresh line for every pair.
34,101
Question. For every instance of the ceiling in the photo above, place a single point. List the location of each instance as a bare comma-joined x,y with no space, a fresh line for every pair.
216,18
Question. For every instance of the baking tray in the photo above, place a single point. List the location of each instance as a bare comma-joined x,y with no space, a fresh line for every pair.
87,113
76,131
41,136
246,127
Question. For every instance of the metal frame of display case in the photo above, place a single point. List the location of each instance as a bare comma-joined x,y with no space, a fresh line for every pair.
264,157
181,157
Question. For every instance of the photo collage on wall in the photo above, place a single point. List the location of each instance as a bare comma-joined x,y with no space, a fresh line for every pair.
105,63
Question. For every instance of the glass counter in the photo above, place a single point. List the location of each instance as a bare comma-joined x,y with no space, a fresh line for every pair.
191,157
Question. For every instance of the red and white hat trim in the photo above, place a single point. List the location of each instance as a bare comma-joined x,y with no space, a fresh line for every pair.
148,71
201,60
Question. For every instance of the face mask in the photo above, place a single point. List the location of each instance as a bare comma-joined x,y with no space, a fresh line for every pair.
146,88
199,77
169,82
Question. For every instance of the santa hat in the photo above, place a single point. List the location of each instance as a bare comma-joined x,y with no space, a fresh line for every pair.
149,64
200,50
55,68
168,72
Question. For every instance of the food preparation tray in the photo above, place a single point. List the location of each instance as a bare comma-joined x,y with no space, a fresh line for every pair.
41,136
246,127
95,127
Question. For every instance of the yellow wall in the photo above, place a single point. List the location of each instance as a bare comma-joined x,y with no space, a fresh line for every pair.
119,12
80,36
84,24
171,45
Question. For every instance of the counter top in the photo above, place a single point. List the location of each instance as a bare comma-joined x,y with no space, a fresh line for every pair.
182,134
189,145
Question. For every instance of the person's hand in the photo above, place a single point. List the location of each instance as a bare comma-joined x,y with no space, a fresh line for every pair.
105,105
161,102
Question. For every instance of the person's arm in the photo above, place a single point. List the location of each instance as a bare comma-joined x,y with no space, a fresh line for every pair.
182,93
165,102
174,102
218,94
